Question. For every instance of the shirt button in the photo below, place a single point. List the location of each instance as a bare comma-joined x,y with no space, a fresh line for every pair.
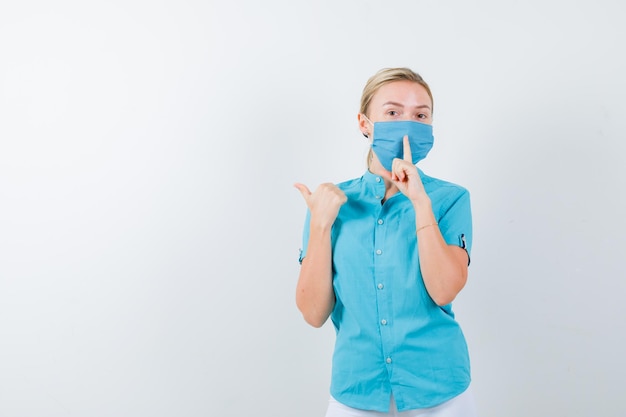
388,360
378,197
380,221
383,322
378,252
381,286
377,179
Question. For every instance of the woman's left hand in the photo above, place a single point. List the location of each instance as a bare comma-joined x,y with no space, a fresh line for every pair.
404,175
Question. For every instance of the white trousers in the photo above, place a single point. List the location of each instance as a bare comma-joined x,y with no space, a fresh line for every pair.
462,405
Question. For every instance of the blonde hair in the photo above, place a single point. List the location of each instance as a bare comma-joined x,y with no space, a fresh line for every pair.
386,76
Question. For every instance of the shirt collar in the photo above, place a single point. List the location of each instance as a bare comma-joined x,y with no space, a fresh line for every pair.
372,179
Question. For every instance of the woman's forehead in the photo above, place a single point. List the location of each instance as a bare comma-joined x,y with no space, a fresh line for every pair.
402,93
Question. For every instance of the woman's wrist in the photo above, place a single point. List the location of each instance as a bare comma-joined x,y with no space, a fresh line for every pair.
417,230
422,203
424,216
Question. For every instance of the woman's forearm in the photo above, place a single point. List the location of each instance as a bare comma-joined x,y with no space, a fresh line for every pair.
443,266
315,297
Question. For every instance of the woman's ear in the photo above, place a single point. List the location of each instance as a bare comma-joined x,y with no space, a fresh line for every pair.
364,125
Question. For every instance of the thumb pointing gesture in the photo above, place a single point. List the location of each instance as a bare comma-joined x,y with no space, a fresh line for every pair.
304,190
324,202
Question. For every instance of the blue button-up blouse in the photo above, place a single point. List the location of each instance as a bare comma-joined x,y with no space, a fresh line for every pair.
390,335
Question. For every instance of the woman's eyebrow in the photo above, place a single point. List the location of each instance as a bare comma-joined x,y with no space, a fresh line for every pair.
394,103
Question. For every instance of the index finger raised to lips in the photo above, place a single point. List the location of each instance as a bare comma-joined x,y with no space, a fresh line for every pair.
407,149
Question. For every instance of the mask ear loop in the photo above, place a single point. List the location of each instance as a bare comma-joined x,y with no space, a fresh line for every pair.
367,118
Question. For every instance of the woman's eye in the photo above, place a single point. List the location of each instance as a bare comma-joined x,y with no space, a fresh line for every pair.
392,113
422,116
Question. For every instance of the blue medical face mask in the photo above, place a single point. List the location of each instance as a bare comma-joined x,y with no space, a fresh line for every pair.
387,140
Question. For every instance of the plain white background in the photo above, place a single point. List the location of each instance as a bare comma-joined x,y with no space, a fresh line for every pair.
149,230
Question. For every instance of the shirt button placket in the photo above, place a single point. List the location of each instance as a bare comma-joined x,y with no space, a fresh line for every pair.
380,222
381,296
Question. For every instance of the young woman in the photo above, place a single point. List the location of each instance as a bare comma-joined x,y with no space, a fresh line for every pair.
384,255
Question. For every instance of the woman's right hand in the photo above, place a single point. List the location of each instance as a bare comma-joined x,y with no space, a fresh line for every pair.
324,203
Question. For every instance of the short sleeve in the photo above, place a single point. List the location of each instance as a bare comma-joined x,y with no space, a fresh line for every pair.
305,236
455,222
